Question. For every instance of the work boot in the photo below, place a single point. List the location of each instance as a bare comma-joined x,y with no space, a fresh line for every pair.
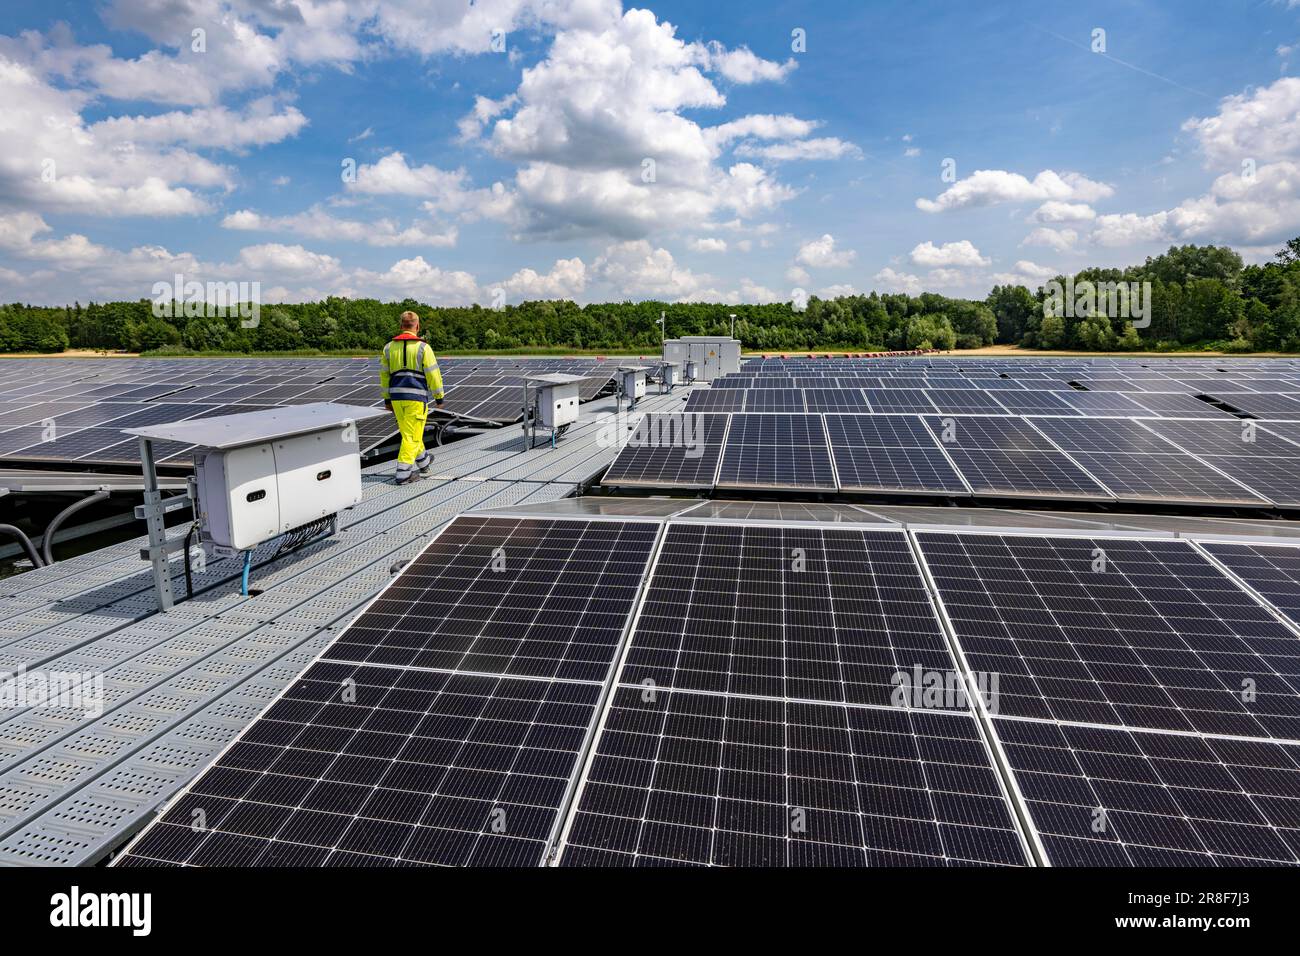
427,467
404,479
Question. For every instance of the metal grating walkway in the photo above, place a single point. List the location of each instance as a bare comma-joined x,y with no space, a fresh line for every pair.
179,686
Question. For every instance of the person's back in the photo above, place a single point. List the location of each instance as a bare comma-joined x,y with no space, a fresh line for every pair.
409,377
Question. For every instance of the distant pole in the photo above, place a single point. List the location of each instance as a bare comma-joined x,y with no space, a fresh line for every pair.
662,328
733,325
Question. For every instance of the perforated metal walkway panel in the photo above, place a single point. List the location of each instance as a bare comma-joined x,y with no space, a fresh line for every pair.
179,686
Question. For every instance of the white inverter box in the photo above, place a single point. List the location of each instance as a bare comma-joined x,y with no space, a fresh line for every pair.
254,493
239,495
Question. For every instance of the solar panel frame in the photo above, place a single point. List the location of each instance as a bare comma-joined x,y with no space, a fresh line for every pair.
890,453
776,450
1136,464
708,400
774,400
1117,797
1006,456
1123,632
645,461
830,399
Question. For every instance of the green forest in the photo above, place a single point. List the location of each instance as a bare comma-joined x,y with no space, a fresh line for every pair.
1201,297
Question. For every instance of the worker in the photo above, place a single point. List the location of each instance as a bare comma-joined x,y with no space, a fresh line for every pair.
409,377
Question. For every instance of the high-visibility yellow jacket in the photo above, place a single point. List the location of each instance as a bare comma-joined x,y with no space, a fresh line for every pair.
408,371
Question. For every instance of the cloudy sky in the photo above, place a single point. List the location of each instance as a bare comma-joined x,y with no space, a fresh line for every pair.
500,150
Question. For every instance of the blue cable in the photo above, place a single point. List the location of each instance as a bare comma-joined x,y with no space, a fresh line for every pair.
248,561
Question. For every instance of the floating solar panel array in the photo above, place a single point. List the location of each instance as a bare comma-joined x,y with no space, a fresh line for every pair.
74,410
1068,429
1238,464
634,689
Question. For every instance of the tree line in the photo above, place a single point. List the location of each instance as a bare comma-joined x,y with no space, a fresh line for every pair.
1200,297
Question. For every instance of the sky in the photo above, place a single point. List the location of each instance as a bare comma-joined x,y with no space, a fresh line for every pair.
496,151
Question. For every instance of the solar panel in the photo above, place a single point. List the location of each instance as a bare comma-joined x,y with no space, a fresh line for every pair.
1136,464
708,400
1035,402
1103,403
1266,405
776,451
890,453
82,443
1004,455
1178,406
959,400
445,723
898,400
835,400
1272,571
679,450
1117,632
683,778
732,609
1110,797
754,721
774,400
1244,450
94,414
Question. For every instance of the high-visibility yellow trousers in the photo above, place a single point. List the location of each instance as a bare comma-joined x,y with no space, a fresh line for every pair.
411,419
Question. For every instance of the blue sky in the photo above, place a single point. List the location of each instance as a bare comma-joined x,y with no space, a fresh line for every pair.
132,155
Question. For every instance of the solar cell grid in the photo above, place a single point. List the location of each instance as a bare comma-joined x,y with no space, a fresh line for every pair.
695,779
776,450
1034,402
956,400
528,597
735,609
670,450
1102,403
889,453
835,400
1110,797
898,400
1005,455
1274,572
1178,406
1117,632
774,400
1135,463
725,400
1246,450
1266,406
376,766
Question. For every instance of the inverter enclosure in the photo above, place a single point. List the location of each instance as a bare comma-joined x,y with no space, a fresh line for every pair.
633,383
319,475
669,374
239,496
557,404
712,355
251,494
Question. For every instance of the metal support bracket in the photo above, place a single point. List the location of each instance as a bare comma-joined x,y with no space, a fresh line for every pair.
152,512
